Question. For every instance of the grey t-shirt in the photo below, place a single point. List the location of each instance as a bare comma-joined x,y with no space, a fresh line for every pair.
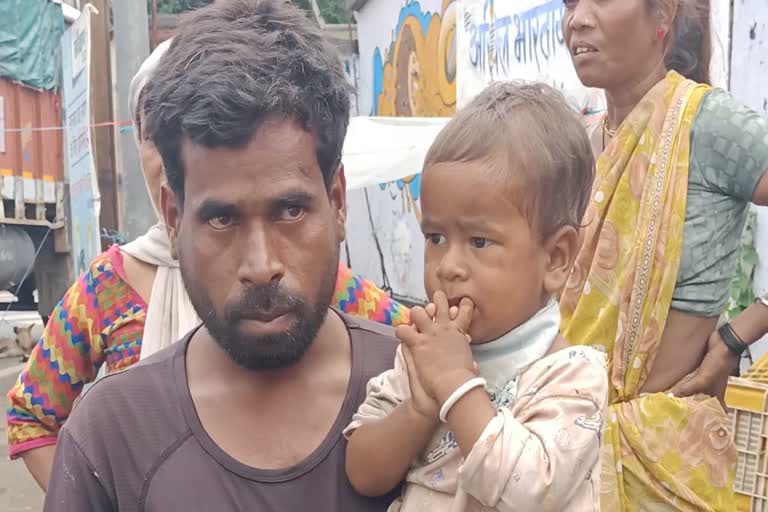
729,155
135,443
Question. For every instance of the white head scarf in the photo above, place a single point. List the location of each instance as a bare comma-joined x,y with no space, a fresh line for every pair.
140,80
170,314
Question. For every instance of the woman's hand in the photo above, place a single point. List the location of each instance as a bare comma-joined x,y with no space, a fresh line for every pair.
711,377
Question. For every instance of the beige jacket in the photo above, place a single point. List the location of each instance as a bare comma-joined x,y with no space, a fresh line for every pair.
540,453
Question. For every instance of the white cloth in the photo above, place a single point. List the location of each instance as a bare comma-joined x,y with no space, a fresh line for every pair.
139,81
502,361
171,314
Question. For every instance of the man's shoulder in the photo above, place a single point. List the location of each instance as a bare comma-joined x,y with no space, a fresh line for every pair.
373,334
368,328
376,341
131,406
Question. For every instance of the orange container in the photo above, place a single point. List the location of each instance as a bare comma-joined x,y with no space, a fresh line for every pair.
31,161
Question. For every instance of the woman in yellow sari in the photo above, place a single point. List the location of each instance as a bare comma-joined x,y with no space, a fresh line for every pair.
678,164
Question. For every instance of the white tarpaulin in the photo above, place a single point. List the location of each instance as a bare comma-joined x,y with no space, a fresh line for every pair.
385,149
383,159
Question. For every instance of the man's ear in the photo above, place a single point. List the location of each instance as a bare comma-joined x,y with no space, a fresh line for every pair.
561,247
338,198
172,209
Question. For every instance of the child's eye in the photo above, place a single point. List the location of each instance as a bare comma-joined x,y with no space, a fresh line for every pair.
435,238
480,243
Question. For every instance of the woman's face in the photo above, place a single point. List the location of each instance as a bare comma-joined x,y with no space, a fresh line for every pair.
613,43
153,169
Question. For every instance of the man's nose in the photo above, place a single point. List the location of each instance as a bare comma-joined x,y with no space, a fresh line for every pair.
260,260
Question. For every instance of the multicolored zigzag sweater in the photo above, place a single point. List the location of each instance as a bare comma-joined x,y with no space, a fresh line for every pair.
100,321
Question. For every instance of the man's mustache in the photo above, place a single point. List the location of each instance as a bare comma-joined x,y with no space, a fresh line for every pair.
257,301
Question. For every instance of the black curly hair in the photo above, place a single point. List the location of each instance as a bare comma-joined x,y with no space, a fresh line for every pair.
236,63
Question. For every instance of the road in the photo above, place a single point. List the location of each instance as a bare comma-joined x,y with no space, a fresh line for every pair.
18,491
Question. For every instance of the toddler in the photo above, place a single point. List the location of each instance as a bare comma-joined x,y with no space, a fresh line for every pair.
488,408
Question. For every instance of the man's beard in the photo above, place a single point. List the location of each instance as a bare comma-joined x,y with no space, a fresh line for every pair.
274,351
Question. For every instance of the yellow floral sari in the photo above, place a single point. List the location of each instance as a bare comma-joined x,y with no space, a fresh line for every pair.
659,452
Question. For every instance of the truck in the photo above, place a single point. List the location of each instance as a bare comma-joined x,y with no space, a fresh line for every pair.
34,254
35,261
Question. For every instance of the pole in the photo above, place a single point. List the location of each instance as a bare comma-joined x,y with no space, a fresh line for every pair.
102,111
316,12
131,40
153,42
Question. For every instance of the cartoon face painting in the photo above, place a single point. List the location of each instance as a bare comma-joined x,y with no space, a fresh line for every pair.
416,76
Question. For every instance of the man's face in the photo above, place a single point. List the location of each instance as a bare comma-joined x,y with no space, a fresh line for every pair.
258,242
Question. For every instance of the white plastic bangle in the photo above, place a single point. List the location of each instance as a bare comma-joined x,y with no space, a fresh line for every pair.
458,395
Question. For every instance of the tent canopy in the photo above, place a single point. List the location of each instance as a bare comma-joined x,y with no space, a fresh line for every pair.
383,149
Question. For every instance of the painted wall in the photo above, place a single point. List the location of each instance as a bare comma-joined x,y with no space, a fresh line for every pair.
351,64
749,76
407,58
497,40
523,40
407,69
519,40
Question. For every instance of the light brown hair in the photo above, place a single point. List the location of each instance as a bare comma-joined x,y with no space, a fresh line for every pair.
531,136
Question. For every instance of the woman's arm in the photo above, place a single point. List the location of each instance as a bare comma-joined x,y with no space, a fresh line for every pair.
39,462
360,297
760,197
66,358
711,377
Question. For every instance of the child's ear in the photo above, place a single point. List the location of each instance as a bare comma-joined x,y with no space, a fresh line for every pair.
561,248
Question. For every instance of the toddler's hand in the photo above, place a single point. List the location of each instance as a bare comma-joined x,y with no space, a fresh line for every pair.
453,312
421,402
438,346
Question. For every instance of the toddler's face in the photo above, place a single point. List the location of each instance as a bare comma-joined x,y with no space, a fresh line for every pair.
480,245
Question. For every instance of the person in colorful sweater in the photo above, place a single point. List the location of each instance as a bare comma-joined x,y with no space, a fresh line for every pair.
129,304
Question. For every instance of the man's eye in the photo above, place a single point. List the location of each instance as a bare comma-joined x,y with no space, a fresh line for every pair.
293,213
222,222
435,238
480,243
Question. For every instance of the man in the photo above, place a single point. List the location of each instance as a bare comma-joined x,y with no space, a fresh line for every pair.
249,109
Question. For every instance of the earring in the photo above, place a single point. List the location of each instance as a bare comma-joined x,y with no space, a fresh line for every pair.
660,33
